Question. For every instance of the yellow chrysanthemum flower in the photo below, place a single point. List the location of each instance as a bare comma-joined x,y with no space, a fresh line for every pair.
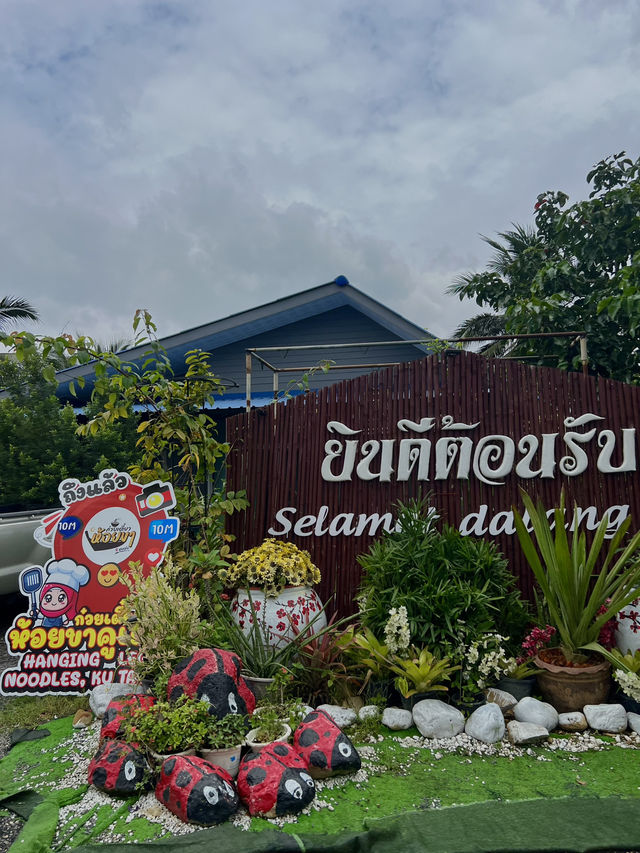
274,565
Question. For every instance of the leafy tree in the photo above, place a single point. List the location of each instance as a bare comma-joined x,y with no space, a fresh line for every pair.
176,437
14,308
578,270
39,445
515,258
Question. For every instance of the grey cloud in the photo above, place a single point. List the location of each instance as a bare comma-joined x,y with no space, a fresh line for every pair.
200,158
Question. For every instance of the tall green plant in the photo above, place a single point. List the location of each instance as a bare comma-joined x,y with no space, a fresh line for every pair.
164,622
583,587
453,587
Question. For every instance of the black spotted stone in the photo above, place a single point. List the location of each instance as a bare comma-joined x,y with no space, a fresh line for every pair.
275,781
325,748
196,791
118,768
213,675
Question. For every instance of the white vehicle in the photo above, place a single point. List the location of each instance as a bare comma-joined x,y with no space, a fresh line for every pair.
18,548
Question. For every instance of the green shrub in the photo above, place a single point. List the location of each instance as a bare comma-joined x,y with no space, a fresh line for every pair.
454,587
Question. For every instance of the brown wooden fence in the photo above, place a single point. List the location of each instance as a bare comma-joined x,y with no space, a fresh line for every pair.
278,453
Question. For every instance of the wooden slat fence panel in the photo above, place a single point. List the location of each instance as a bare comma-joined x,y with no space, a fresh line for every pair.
277,453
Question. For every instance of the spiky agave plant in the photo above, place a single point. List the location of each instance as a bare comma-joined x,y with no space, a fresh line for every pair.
583,587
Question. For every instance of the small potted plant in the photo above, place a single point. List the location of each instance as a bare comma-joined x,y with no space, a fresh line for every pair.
166,728
519,672
488,664
276,716
627,675
261,661
271,728
223,742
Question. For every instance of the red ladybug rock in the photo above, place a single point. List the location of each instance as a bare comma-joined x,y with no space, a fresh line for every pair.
118,768
325,748
214,676
275,781
196,791
116,713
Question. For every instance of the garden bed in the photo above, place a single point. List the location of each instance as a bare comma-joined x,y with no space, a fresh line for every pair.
402,775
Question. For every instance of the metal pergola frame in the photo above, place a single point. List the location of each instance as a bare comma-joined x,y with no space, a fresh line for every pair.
253,352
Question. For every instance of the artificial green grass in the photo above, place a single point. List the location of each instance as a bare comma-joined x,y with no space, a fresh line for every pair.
30,711
400,780
414,779
39,764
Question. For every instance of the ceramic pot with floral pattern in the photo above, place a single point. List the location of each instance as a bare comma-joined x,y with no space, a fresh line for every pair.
279,617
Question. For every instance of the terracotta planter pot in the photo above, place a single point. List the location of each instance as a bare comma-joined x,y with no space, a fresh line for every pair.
571,688
279,617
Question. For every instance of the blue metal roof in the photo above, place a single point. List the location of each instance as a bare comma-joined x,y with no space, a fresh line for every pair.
247,325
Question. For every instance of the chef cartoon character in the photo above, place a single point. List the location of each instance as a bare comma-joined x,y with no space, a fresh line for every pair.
59,595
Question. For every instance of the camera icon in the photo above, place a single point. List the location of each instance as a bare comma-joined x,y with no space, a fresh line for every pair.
154,497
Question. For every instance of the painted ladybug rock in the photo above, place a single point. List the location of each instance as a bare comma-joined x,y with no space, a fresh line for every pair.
116,713
196,791
214,676
275,781
324,747
118,768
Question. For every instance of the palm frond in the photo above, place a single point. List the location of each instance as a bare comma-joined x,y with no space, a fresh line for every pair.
15,308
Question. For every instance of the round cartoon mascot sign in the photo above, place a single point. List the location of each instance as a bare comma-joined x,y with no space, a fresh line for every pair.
71,637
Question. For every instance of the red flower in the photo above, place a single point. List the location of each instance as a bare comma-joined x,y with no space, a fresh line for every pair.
607,636
537,639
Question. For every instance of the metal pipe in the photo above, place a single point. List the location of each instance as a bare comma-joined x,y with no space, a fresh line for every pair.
262,361
423,341
584,358
338,367
247,367
275,393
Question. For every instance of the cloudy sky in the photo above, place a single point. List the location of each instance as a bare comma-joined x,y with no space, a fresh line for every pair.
199,158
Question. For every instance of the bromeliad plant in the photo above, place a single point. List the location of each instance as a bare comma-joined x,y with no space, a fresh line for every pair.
421,672
583,587
369,656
